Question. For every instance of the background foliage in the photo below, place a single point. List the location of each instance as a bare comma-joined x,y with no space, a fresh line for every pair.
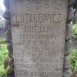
73,54
4,51
74,30
73,60
3,55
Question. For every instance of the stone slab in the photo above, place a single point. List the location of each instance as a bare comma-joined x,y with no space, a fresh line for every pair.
38,34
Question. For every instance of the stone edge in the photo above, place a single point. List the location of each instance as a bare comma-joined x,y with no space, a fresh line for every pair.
9,36
66,67
68,40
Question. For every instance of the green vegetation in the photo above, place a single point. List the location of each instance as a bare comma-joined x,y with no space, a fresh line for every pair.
74,31
73,54
3,48
7,71
3,55
73,60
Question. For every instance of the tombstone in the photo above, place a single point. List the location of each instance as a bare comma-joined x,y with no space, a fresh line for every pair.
38,29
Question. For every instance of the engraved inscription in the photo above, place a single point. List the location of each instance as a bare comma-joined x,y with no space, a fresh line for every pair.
38,29
36,18
38,37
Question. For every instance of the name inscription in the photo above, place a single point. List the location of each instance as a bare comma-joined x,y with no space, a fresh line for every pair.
36,18
37,29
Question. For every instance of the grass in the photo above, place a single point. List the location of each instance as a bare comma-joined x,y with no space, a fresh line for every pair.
3,54
74,30
73,60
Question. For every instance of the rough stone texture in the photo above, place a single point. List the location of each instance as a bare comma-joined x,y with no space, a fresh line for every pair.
71,2
2,33
9,39
70,13
8,26
38,36
67,72
75,18
74,40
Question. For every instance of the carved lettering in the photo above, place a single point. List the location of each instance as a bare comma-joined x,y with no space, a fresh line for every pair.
38,29
39,39
36,18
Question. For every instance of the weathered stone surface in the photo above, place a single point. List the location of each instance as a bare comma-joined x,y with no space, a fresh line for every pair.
68,42
68,46
67,73
68,31
70,13
74,44
71,2
67,62
38,36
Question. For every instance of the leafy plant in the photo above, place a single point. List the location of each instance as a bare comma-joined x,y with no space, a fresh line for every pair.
3,55
73,60
74,31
